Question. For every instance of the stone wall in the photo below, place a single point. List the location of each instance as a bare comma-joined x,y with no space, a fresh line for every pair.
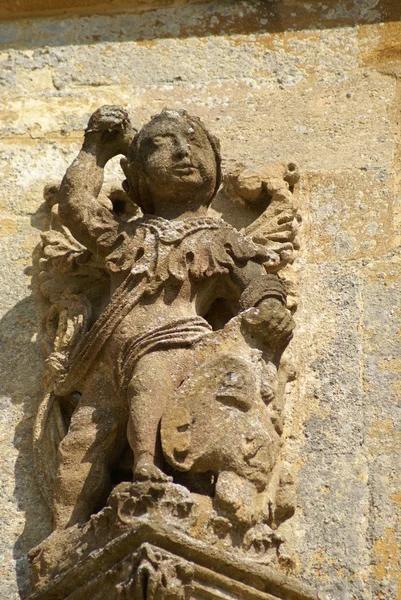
284,80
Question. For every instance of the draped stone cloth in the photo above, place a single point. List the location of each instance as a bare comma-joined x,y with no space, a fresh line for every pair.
156,252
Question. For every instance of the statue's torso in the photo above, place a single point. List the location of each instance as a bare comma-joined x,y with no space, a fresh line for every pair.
185,266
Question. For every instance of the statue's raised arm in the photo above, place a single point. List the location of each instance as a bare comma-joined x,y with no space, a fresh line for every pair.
109,133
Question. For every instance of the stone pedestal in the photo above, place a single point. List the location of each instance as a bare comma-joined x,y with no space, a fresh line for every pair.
153,544
155,563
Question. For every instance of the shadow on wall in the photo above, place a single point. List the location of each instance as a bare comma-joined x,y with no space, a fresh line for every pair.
222,18
21,366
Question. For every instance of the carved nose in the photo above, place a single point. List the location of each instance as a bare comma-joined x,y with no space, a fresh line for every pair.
182,150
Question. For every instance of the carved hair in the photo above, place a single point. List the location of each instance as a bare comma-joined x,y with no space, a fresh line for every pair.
136,173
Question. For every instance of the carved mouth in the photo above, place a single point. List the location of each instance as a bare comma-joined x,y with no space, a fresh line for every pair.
184,168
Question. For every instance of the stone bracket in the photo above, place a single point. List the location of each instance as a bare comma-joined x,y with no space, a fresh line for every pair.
155,563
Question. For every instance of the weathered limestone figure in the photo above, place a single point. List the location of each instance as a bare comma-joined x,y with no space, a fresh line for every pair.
165,374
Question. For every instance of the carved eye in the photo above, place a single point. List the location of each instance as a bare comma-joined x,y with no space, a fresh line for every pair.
232,391
158,140
193,140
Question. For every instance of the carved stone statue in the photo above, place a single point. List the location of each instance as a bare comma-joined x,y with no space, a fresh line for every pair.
165,333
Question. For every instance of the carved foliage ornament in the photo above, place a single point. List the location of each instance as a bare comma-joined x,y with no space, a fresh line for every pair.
155,575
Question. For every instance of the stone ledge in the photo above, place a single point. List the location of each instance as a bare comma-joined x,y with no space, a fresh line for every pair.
10,9
208,574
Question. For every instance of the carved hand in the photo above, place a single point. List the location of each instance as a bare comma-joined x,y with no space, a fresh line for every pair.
109,131
271,321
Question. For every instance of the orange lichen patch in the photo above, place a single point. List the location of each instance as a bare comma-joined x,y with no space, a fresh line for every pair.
320,564
393,365
23,262
30,242
363,476
8,116
386,550
146,43
380,429
8,227
386,277
387,554
383,436
381,46
311,408
335,221
395,386
396,498
285,42
282,39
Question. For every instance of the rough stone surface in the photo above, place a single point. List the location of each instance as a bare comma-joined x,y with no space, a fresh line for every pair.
108,556
315,84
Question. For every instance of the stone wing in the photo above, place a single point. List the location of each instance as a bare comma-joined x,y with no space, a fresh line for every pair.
266,195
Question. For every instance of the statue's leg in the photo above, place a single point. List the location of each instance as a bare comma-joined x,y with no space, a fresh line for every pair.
156,377
92,445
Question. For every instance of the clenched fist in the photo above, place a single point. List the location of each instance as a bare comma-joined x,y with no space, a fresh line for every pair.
272,322
110,128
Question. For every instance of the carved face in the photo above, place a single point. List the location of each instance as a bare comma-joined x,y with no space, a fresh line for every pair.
178,159
219,422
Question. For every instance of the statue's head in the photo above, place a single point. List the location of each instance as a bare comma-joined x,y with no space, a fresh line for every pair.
173,159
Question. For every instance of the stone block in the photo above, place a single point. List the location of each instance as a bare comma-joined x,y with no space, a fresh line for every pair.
117,555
